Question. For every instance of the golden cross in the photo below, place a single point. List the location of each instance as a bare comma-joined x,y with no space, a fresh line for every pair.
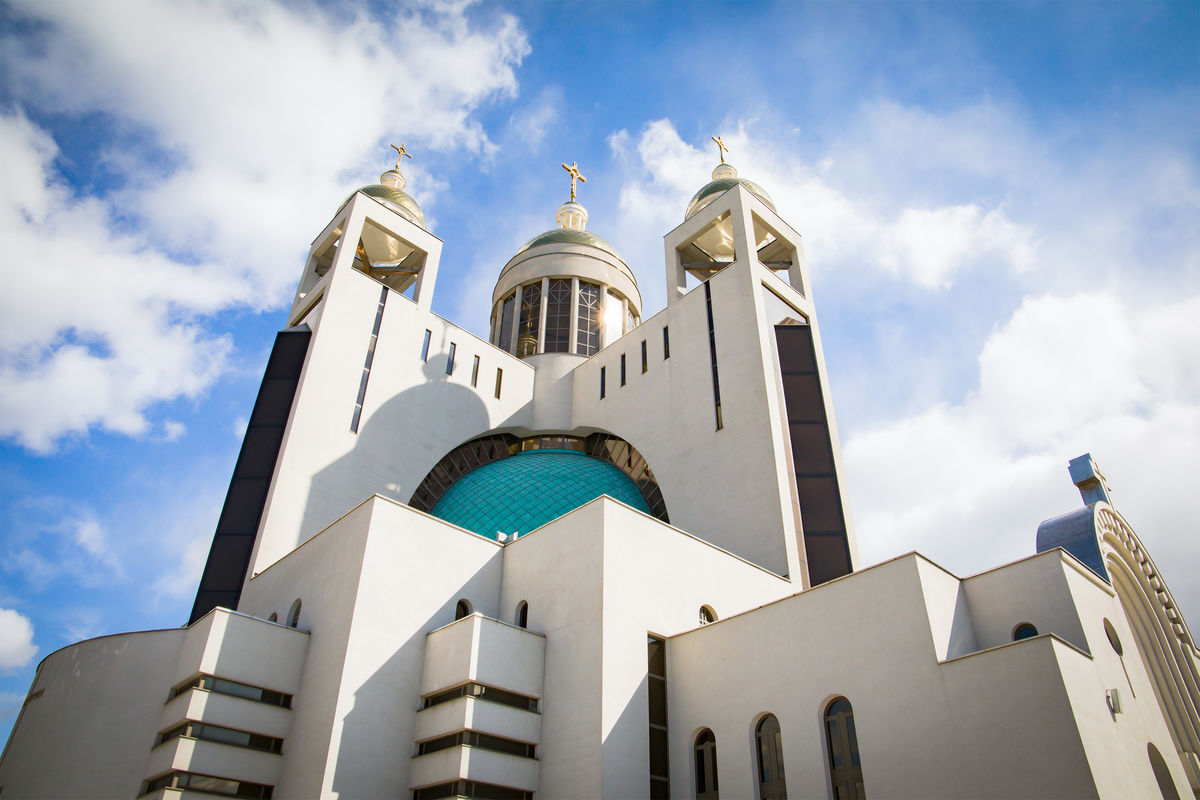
573,171
721,147
400,154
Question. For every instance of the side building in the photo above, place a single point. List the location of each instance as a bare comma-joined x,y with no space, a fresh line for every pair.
601,555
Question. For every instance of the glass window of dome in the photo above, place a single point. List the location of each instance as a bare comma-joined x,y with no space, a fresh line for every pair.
537,318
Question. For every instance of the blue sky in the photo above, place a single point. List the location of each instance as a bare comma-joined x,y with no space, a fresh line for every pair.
999,203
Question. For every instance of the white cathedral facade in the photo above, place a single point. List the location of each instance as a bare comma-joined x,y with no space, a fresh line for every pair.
602,554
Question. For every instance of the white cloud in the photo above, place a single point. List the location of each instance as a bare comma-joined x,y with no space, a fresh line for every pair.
1009,299
50,537
967,483
928,246
16,640
230,127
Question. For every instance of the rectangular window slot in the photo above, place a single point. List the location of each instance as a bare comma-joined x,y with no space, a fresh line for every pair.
656,680
210,683
209,784
366,373
666,343
484,741
475,371
644,363
499,378
622,369
481,692
450,359
425,345
712,353
602,383
223,735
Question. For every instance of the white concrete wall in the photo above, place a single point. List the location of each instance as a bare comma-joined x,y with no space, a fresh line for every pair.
1004,715
596,581
721,485
89,732
413,412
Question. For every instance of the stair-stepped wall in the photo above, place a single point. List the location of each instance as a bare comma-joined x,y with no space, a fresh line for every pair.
479,718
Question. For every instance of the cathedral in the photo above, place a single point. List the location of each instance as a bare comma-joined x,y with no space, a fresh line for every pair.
606,552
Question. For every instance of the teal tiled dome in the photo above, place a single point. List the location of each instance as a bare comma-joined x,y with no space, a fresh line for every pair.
527,490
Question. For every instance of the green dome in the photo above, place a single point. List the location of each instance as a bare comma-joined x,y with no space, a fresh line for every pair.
525,491
709,192
397,199
569,236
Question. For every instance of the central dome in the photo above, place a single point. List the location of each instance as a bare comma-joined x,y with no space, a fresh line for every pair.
529,489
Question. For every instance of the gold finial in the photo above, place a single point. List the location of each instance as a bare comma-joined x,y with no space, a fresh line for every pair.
400,154
721,147
573,171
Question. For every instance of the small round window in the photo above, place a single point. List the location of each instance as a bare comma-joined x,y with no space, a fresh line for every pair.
1113,639
1024,631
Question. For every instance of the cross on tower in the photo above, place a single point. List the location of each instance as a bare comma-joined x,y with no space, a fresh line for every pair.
400,154
573,171
722,149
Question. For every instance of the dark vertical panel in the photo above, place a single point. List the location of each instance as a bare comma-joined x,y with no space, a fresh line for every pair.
712,354
229,557
826,545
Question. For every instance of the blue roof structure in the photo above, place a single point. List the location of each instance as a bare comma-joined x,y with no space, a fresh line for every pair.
525,491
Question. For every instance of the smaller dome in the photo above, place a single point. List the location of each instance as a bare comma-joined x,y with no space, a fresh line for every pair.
568,236
725,177
397,200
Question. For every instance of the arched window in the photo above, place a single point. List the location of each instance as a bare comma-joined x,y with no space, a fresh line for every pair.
522,614
293,617
1166,785
705,751
845,769
1024,631
768,745
463,609
273,618
707,615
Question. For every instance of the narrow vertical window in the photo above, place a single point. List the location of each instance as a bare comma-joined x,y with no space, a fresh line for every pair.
666,343
558,316
845,768
504,339
499,378
644,364
613,313
587,340
475,371
768,746
712,354
450,359
656,685
622,369
531,311
522,614
602,383
366,373
705,753
425,345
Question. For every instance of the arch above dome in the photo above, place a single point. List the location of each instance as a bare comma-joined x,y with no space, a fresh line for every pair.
475,487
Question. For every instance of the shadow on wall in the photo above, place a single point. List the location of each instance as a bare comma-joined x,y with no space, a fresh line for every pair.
398,444
378,734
